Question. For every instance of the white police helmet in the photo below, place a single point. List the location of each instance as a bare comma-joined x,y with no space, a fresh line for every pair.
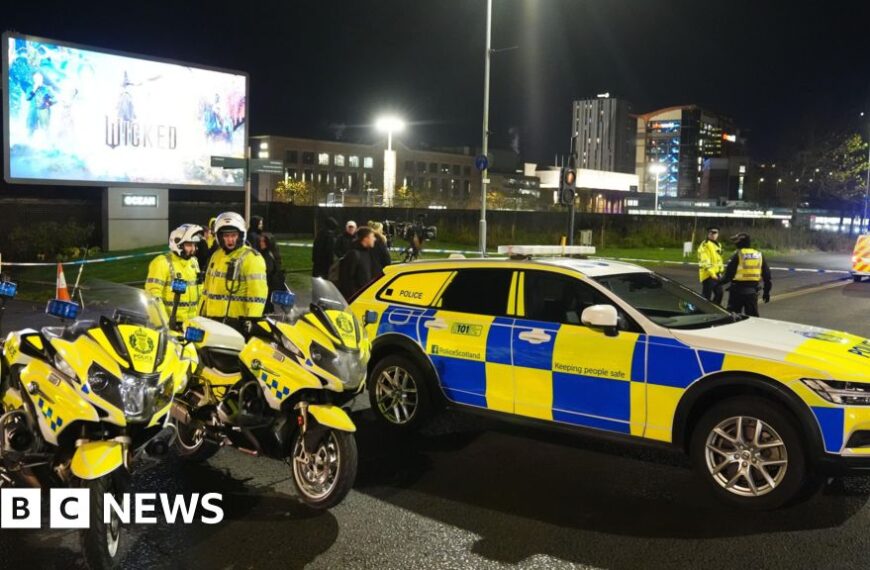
185,233
231,221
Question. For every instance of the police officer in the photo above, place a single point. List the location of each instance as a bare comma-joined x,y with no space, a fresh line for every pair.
179,263
235,283
746,269
710,266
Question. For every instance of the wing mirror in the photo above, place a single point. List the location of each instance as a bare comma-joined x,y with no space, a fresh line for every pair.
370,317
603,317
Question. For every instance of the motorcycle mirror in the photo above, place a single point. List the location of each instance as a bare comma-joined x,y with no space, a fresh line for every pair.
62,309
179,286
8,289
193,334
283,299
371,317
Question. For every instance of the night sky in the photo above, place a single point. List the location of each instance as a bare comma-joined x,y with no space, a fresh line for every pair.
327,68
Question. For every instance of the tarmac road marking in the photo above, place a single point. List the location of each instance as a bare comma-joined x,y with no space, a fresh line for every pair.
810,290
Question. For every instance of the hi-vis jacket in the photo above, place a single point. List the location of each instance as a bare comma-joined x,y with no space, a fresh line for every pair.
746,269
241,295
710,263
162,270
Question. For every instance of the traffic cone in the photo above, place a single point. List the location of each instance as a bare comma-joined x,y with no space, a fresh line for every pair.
62,292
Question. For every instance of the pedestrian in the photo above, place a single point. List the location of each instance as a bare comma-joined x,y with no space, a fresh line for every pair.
345,240
710,266
275,275
179,263
255,228
323,252
745,271
380,252
356,270
235,283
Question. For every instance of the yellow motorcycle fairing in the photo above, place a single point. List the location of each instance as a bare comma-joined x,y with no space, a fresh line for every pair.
23,346
280,375
95,459
140,343
56,402
332,416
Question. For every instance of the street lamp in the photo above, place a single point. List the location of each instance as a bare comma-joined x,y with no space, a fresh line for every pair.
658,169
389,124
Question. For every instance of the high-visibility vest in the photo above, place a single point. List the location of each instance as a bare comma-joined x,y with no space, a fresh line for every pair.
748,265
710,260
242,295
162,270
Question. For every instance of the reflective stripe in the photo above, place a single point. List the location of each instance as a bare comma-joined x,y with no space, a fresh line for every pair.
155,281
251,277
180,303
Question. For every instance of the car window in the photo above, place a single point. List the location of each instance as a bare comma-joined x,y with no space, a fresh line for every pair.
478,291
420,289
562,299
665,302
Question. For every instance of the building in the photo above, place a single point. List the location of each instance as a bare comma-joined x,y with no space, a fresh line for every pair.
597,190
353,173
687,151
604,130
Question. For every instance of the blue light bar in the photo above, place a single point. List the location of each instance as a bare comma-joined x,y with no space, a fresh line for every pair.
62,309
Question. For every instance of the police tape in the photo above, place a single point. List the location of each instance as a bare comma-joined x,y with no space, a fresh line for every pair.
695,264
80,261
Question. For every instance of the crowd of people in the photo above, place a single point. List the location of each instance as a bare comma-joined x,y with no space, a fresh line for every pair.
353,258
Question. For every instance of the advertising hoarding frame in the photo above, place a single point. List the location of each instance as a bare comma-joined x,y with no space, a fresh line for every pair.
7,174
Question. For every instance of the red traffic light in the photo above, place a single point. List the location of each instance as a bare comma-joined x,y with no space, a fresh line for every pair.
570,177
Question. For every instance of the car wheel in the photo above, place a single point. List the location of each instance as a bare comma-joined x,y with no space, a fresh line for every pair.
750,454
399,393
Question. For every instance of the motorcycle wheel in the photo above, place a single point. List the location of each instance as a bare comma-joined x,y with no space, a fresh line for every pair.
104,545
191,443
324,476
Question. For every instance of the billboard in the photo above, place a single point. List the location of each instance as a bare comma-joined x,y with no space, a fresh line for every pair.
78,115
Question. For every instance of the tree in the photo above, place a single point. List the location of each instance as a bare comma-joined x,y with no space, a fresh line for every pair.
296,192
411,197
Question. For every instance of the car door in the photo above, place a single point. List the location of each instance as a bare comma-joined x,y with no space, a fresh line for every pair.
468,338
567,372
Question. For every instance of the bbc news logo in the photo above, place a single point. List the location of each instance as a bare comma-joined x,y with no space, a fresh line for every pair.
71,508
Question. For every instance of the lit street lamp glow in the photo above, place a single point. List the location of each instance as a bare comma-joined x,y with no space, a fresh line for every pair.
658,169
389,124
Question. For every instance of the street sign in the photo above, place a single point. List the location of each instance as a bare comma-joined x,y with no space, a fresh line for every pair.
481,162
485,181
227,162
266,166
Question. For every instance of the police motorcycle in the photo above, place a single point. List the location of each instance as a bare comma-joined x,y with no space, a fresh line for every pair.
279,391
84,402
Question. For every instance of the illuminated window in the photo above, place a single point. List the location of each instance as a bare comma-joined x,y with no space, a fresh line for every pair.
338,160
264,145
323,159
353,161
445,169
368,162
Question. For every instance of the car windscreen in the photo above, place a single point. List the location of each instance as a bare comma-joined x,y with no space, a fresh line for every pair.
666,302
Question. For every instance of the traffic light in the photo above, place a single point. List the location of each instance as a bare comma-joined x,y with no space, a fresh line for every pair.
567,185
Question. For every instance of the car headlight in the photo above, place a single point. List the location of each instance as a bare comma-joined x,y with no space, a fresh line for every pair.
840,392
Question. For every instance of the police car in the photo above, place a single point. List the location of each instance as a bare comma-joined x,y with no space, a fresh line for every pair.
762,406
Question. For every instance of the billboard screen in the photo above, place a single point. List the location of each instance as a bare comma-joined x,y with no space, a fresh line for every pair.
76,115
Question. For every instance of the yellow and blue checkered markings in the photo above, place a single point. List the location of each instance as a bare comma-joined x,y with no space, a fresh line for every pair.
54,421
279,390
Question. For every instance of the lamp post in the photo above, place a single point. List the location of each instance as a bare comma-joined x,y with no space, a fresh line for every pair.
389,125
867,186
658,169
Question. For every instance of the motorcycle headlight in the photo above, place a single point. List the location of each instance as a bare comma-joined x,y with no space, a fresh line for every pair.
290,348
64,366
840,392
347,366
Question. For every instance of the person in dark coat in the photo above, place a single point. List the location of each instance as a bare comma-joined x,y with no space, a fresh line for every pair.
345,240
268,248
323,252
255,228
357,266
380,252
